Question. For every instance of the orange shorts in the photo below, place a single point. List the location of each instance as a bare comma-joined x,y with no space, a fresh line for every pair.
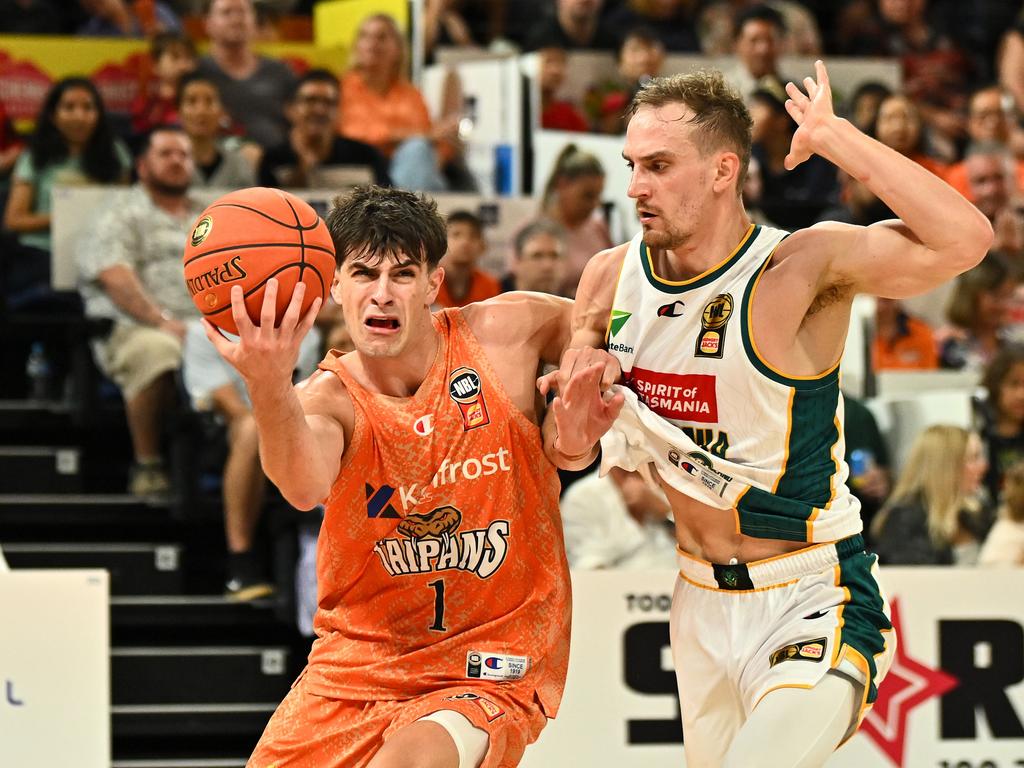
311,731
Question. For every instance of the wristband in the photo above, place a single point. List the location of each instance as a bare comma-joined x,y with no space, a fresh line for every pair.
577,457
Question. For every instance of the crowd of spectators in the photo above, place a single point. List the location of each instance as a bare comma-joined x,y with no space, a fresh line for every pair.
216,113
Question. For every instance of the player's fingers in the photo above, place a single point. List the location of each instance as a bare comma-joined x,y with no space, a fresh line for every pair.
794,92
268,312
310,317
822,73
293,313
610,374
613,406
547,382
239,312
810,86
794,111
220,342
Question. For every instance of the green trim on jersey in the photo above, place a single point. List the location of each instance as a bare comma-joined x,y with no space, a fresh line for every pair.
681,286
864,617
828,378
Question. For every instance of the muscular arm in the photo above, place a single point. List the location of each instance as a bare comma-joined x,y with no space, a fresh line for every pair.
939,235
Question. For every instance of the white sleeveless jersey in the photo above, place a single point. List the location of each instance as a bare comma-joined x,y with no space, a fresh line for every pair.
775,441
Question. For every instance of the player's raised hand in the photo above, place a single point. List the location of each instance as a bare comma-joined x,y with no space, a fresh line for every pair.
811,111
578,359
582,412
271,348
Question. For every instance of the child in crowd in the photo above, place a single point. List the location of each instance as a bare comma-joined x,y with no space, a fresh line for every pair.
556,114
463,282
173,56
1004,544
224,162
641,56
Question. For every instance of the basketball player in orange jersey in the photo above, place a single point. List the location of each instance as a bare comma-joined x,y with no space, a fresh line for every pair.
443,590
729,336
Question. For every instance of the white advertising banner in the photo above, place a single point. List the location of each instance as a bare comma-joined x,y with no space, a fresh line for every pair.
954,697
55,669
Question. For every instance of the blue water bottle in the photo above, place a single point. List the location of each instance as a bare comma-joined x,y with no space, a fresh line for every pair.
504,158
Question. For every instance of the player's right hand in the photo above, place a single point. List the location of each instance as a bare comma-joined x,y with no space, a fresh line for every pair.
269,350
583,412
576,360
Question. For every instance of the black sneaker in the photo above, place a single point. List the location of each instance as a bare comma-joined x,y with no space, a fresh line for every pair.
245,578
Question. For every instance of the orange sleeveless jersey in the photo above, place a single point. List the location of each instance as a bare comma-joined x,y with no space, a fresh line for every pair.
442,542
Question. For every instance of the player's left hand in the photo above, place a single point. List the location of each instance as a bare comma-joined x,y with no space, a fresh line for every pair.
576,360
811,111
582,412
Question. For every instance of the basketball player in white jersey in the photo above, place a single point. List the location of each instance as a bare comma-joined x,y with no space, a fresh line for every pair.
729,336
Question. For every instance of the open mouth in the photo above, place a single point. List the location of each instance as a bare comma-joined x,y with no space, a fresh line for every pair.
645,216
383,323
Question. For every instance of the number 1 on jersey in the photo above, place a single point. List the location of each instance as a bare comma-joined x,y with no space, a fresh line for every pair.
438,625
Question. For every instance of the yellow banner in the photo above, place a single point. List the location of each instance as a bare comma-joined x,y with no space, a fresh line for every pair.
29,65
336,22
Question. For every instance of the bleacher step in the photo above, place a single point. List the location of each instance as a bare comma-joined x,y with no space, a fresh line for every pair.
202,675
135,568
35,469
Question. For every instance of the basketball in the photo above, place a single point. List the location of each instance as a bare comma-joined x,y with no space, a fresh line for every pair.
247,237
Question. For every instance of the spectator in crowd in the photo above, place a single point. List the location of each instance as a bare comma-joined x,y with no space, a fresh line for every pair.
122,18
757,46
462,23
864,104
899,126
936,74
573,25
464,283
617,521
538,259
641,57
556,114
991,185
72,144
214,386
672,22
221,162
792,199
989,123
572,199
1010,62
11,146
718,21
173,55
131,272
902,342
380,107
1001,415
857,204
868,458
978,315
253,88
934,516
314,155
1004,544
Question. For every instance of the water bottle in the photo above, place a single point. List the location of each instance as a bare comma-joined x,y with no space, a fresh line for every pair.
468,121
37,370
860,461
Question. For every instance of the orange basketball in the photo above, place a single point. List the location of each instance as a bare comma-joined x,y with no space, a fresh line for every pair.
247,237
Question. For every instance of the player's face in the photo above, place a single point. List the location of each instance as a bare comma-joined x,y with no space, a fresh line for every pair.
386,303
671,179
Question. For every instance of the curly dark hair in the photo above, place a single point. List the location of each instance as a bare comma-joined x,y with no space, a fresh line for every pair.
47,145
997,371
386,223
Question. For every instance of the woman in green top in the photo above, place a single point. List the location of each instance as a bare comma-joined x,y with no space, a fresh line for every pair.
73,143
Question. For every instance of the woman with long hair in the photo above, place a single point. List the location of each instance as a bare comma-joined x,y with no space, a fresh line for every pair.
73,143
1001,416
380,107
934,516
572,198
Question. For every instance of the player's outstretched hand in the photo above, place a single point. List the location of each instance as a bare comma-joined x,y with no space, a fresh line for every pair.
582,411
811,111
270,349
578,359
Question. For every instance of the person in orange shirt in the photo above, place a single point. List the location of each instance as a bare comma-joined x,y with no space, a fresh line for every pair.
443,589
901,342
463,282
380,107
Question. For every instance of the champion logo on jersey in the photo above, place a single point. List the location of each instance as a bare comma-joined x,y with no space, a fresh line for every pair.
675,309
424,425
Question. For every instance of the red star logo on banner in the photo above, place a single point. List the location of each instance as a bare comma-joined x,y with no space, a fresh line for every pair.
908,684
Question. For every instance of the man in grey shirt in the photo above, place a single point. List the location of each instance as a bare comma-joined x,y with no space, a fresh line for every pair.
253,88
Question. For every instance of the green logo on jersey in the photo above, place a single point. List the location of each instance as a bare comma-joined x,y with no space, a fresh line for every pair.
619,319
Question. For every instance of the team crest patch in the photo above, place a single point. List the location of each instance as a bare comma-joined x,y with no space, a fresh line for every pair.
491,710
465,389
809,650
713,320
202,230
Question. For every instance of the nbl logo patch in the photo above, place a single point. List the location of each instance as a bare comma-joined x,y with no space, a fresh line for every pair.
713,321
465,389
